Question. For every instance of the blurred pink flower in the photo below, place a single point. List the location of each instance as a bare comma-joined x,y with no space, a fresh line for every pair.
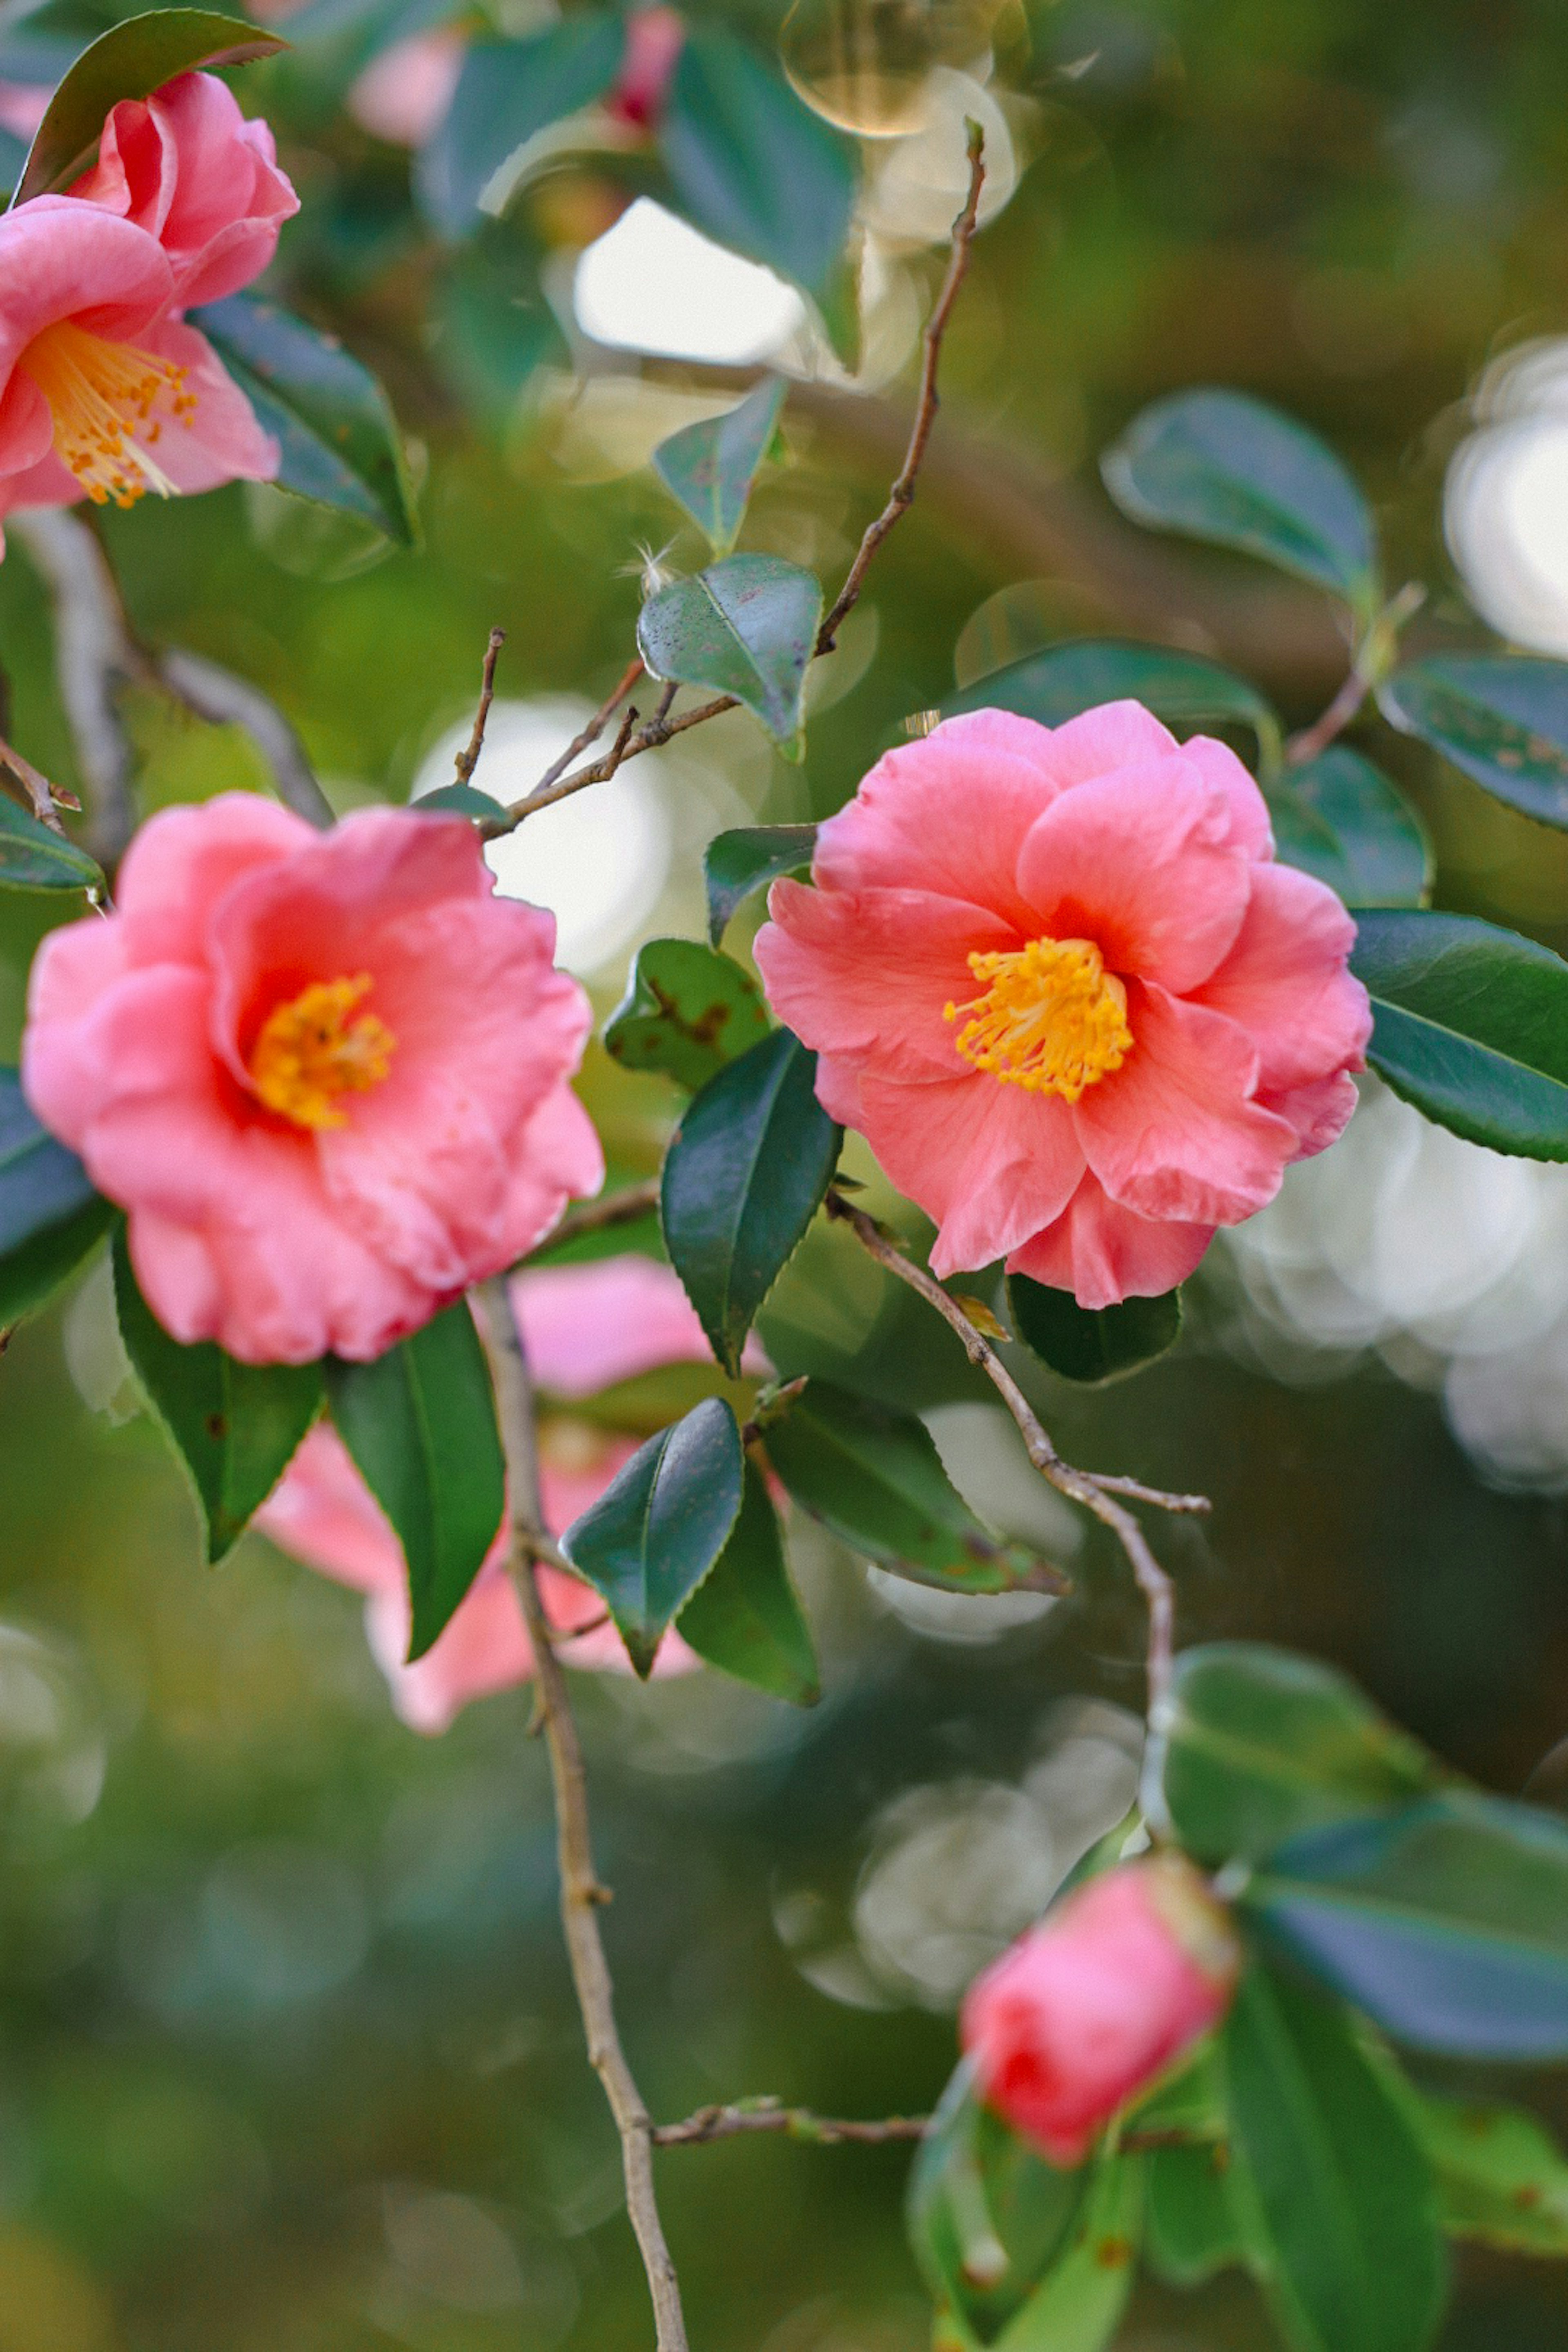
1090,2007
1057,981
23,106
655,39
586,1327
325,1073
403,95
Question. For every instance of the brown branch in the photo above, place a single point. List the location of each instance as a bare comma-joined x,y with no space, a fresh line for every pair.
622,1208
796,2122
1375,657
35,790
215,694
580,1892
595,727
469,759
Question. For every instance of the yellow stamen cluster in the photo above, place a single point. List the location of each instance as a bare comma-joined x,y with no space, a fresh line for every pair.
108,402
1050,1017
308,1052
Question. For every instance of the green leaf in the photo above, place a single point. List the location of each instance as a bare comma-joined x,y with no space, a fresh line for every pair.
709,468
235,1427
742,1179
495,325
1191,2101
745,626
1086,1344
736,864
874,1476
51,1216
420,1423
661,1525
1446,1921
987,2215
1194,2226
507,91
688,1011
745,1616
1502,2177
32,1271
1183,689
753,165
131,60
456,800
1471,1024
1080,2300
1503,721
339,438
32,857
1222,466
1338,817
1342,2194
1258,1744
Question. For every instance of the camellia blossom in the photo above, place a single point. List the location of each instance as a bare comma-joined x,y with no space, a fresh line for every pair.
326,1074
655,39
1085,2010
1056,980
105,392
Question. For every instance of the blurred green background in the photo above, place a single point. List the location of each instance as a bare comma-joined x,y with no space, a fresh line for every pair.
288,2061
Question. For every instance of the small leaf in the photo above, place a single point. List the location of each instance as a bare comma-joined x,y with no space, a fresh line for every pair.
1194,2226
33,858
1256,1743
1502,720
745,1616
1338,817
661,1525
131,60
743,1177
456,800
745,626
1342,2195
1092,1344
1079,2302
1470,1024
1222,466
333,421
688,1011
753,165
1446,1921
420,1423
736,864
709,468
987,2215
1183,689
875,1477
235,1427
507,91
1501,2178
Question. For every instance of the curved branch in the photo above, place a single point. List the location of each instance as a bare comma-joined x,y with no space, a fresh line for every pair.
215,694
797,2123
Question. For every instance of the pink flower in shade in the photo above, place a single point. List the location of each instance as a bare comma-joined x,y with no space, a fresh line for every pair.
403,95
23,106
325,1073
1107,1992
655,39
585,1327
1056,980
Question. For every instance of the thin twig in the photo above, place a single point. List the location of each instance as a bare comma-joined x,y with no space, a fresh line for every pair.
580,1892
33,790
216,694
595,727
1373,658
797,2123
469,759
95,657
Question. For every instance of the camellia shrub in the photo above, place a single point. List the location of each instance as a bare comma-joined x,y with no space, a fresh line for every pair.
1084,979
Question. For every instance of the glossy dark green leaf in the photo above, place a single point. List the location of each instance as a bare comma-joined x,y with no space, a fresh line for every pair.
1222,466
1342,2195
235,1426
1502,2177
1338,817
333,421
420,1423
753,165
32,1271
1502,718
1183,689
742,1179
661,1525
745,626
1194,2226
1470,1024
745,1616
1087,1344
1258,1744
507,91
736,864
688,1010
131,60
1079,2303
33,858
874,1476
710,466
1446,1921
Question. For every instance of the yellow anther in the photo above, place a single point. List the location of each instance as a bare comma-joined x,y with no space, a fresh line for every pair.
1050,1017
308,1052
102,397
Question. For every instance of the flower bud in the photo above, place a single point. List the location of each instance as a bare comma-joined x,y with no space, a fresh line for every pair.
1088,2008
655,38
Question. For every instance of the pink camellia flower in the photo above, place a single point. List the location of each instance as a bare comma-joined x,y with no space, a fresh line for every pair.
1107,1992
1056,979
23,106
325,1073
403,95
585,1327
655,39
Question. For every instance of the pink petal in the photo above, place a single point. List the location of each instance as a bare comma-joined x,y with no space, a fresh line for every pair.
182,860
990,1163
1285,982
484,1648
403,95
60,259
585,1328
557,1158
220,440
1218,766
323,1513
1104,1252
1112,735
1320,1111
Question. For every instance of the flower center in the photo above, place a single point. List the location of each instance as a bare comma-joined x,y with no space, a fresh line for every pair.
103,397
310,1052
1050,1017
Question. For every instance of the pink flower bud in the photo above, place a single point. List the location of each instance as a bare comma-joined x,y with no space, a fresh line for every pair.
655,38
1088,2008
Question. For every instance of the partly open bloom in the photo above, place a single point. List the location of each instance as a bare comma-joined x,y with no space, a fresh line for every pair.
1056,979
326,1073
1090,2007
